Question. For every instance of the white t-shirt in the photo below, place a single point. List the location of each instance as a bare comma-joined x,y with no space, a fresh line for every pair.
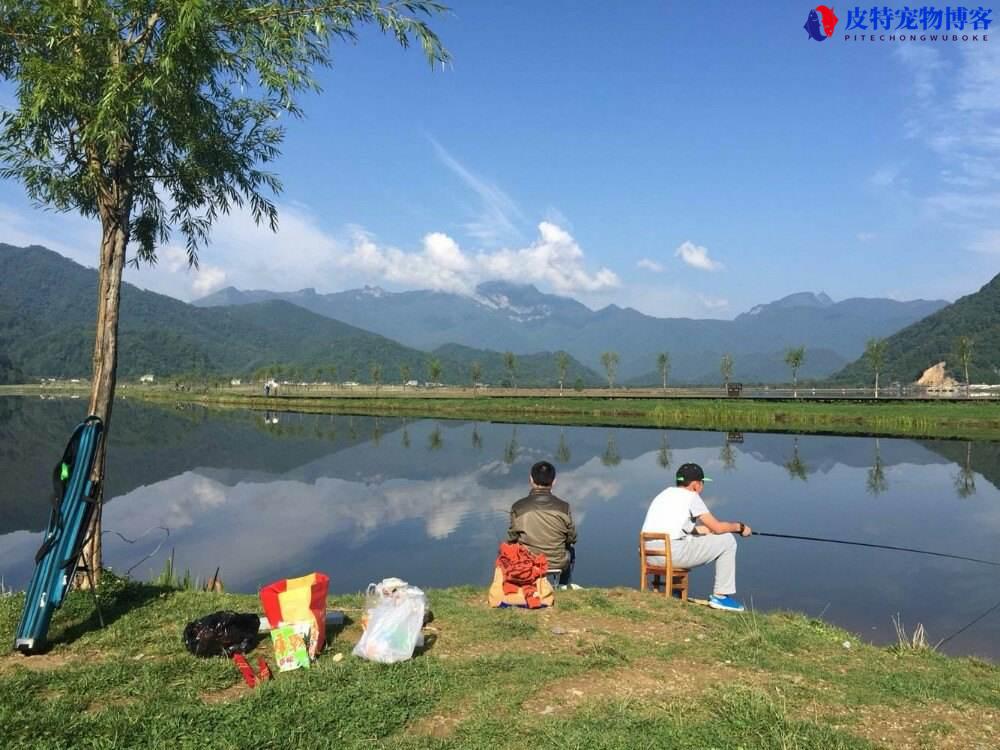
673,512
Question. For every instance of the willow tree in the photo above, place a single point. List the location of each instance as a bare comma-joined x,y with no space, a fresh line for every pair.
610,362
875,354
794,357
510,362
663,365
963,351
158,116
562,367
726,368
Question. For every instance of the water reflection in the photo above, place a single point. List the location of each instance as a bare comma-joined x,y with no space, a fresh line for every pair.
877,483
663,455
563,454
728,457
265,496
795,466
965,479
511,448
611,456
434,441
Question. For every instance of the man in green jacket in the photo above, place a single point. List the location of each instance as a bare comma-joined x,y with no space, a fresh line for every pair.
544,524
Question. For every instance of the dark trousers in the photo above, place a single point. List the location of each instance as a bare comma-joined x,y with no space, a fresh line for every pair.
567,574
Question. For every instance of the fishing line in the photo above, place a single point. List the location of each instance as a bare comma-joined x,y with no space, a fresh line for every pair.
966,627
940,643
133,541
878,546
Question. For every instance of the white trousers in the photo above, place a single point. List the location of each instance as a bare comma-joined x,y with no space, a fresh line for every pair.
692,551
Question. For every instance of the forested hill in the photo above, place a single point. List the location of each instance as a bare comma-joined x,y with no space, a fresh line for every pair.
47,312
933,339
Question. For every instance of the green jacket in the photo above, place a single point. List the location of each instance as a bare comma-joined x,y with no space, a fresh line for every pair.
544,524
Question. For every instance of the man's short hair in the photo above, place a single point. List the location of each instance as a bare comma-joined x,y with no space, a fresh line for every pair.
543,474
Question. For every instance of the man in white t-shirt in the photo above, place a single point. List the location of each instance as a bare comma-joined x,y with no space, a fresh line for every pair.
696,536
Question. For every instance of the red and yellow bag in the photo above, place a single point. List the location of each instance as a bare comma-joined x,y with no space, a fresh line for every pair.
298,600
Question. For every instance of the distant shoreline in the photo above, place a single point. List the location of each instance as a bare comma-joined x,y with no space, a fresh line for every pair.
675,408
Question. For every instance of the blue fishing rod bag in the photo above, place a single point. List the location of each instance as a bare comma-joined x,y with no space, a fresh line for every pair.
73,503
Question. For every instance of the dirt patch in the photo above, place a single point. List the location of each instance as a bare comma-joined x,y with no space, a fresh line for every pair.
226,695
38,662
440,725
643,679
559,629
96,708
934,725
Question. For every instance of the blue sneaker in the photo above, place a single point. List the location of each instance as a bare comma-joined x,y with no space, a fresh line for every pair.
727,603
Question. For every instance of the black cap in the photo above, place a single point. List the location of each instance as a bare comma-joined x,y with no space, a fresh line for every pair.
688,473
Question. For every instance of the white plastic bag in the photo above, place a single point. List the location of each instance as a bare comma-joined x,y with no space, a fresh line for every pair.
394,624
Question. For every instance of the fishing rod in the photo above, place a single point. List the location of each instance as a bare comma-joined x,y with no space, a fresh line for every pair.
878,546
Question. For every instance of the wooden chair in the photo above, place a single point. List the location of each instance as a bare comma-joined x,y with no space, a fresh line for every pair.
676,578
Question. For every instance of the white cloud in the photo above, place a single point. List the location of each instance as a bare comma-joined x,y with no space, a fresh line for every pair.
208,279
554,260
987,243
440,265
302,253
697,257
713,303
866,236
887,176
554,216
498,217
957,116
650,265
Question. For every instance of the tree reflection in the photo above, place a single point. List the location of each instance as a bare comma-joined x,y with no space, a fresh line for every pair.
376,433
563,454
477,440
795,466
664,456
877,483
434,440
511,448
728,457
406,436
965,480
611,456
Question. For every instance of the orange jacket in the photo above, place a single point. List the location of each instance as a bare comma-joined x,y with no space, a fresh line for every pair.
521,569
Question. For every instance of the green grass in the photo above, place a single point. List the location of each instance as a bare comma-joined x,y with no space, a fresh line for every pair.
604,669
969,420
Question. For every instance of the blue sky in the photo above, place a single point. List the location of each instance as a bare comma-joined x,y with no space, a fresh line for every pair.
680,158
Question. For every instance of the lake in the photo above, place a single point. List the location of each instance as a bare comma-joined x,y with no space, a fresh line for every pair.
270,495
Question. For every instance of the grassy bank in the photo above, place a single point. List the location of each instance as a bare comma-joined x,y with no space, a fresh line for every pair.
967,420
604,669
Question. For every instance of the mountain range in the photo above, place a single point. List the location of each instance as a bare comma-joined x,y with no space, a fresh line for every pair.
519,318
934,339
47,311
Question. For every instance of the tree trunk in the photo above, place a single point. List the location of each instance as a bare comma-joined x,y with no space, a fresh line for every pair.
876,384
114,239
